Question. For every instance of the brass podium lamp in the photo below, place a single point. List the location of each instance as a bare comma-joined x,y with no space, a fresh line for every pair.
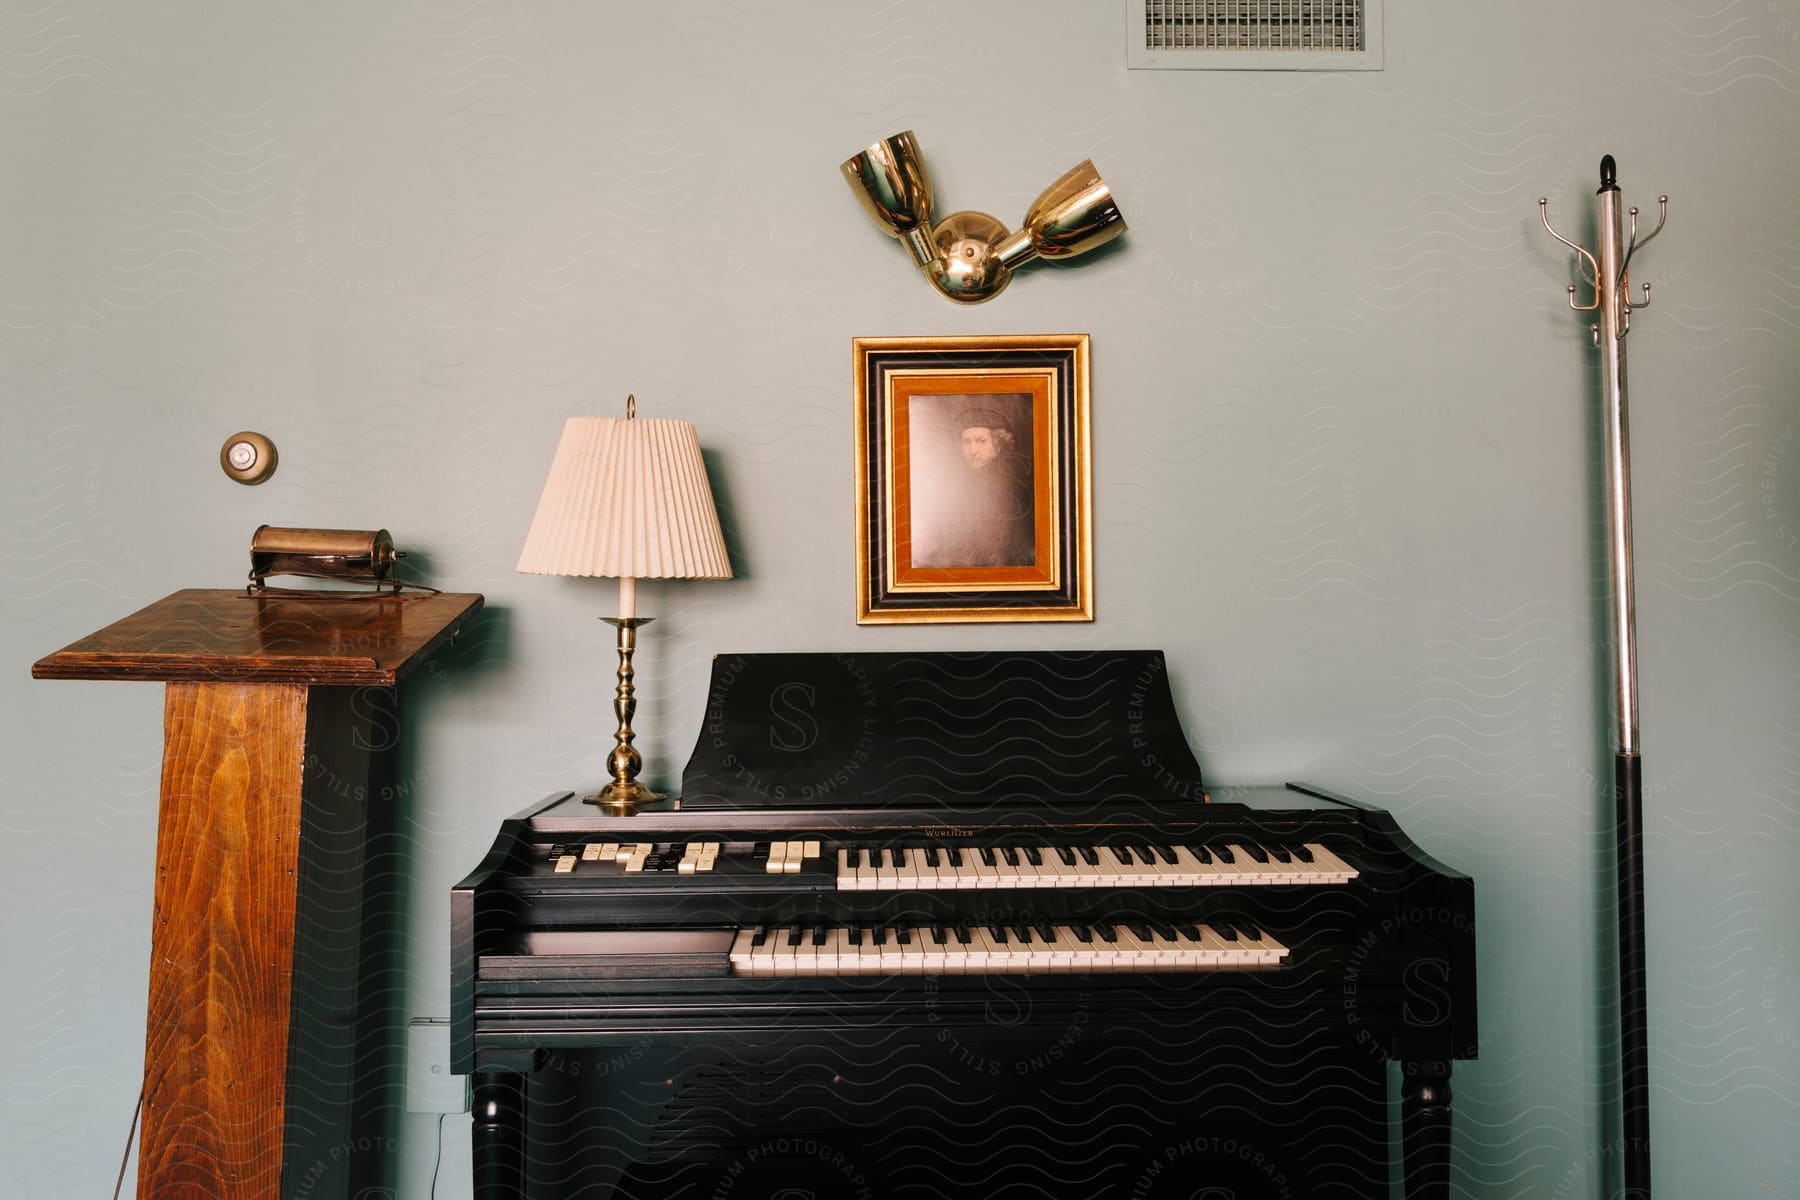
627,499
969,256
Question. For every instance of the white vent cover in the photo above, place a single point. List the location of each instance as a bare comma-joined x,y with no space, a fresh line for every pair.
1254,35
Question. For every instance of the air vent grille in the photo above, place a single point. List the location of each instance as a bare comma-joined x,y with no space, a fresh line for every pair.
1253,24
1274,35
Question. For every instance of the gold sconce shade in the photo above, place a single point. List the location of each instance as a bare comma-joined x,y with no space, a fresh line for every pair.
969,256
890,180
1075,214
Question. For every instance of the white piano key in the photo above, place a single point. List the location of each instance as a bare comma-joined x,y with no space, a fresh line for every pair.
762,958
910,876
1341,871
1028,875
1253,871
786,959
741,951
912,955
959,878
1114,871
866,876
806,955
932,956
887,871
892,955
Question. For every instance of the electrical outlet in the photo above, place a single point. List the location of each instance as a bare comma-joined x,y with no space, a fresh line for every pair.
431,1087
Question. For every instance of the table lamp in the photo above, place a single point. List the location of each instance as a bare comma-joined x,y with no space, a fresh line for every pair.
627,499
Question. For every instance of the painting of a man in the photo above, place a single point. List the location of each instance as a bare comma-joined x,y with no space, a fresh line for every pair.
972,485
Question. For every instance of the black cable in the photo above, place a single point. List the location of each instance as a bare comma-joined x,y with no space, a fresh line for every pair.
131,1135
432,1194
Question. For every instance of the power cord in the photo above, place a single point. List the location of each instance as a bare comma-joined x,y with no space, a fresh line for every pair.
432,1194
131,1136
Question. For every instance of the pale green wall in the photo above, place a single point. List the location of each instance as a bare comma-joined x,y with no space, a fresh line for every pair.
1342,420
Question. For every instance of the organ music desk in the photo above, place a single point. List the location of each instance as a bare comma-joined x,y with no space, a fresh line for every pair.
946,925
280,726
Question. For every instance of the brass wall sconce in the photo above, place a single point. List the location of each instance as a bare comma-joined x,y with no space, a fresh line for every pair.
969,256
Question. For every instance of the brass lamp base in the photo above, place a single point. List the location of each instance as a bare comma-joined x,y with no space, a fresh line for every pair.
622,800
624,794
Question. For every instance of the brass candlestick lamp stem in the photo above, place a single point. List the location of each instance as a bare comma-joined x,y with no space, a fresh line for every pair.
624,794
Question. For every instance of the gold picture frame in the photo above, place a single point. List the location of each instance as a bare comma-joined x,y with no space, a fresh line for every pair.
973,495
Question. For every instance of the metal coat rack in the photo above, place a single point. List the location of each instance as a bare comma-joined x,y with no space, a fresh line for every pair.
1607,271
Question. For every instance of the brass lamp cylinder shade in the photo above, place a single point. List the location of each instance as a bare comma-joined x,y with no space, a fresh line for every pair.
889,178
1075,214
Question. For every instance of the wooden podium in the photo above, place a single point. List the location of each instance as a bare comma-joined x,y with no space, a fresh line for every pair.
264,1031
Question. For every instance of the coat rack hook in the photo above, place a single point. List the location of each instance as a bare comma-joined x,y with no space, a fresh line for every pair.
1590,268
1633,245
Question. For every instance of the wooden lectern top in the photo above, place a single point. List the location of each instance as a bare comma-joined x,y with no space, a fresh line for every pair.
219,635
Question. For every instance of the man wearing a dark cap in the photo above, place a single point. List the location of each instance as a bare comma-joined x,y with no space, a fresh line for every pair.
990,522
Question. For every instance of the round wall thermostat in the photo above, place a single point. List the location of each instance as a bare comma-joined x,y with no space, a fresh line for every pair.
248,457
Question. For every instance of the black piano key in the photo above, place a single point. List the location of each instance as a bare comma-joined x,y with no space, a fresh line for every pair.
899,856
1303,854
903,934
880,934
818,935
793,935
1224,853
1166,853
1189,930
998,933
1200,852
1108,933
1010,855
1044,929
1281,853
939,935
855,935
1084,934
1138,930
964,935
1162,929
1067,855
1255,851
759,935
956,859
931,857
1034,856
987,855
1225,929
1022,932
1088,856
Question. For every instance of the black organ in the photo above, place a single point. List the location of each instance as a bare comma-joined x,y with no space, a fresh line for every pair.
948,924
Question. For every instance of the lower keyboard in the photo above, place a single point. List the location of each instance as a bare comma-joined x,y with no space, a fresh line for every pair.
1031,949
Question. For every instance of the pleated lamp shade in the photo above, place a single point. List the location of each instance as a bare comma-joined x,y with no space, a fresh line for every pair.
627,499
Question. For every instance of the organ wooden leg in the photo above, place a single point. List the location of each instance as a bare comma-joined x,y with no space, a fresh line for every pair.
1425,1119
498,1135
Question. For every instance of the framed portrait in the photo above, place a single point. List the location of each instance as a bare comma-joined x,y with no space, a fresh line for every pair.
972,490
